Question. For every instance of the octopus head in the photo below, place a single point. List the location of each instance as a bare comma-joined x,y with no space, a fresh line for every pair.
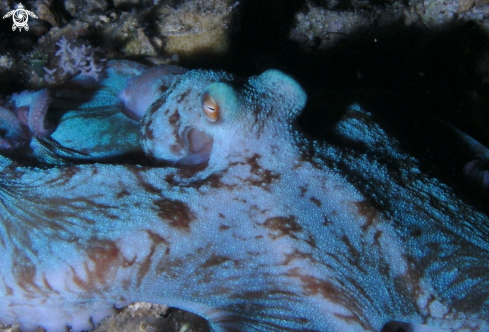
209,116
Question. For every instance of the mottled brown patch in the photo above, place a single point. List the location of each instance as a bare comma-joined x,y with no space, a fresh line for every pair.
332,292
239,199
263,177
353,319
307,153
281,226
215,260
221,216
316,201
9,290
303,190
416,232
253,163
156,105
174,118
214,181
64,177
138,172
224,227
126,284
260,294
311,241
298,255
274,322
182,96
257,119
176,212
365,209
354,256
60,209
175,148
206,271
156,241
326,221
170,180
105,257
377,236
148,134
122,193
171,267
163,87
47,285
24,271
190,171
148,130
314,286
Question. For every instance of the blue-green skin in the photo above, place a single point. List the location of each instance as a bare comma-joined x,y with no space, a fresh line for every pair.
274,232
89,123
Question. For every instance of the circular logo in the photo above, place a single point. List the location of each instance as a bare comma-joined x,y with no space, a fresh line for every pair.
20,18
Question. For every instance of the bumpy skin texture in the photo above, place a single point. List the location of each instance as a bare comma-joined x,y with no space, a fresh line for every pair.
13,134
31,108
261,230
22,117
85,122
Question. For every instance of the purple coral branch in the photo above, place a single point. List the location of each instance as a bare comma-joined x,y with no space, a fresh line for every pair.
75,60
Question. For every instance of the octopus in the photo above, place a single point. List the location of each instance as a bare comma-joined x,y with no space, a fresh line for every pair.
197,189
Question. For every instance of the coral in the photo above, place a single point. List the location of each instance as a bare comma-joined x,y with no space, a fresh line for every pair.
127,30
122,3
138,316
321,28
5,61
196,27
83,8
45,13
435,14
74,60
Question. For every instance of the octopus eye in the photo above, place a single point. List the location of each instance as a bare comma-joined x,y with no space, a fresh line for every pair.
210,108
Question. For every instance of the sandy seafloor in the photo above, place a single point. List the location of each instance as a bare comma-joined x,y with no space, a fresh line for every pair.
433,53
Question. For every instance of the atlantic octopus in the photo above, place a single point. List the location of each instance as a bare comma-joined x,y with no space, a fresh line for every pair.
232,213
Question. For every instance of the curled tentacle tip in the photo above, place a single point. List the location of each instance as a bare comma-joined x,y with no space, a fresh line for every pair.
36,121
12,133
475,170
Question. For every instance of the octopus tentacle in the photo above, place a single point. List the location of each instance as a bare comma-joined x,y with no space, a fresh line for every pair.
12,135
31,108
475,170
142,90
37,114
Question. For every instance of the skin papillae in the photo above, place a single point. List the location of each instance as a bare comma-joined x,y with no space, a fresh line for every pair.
239,217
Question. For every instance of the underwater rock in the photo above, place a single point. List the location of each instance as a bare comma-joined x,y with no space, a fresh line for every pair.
196,27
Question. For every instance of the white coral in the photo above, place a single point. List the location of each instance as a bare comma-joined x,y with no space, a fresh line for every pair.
74,60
